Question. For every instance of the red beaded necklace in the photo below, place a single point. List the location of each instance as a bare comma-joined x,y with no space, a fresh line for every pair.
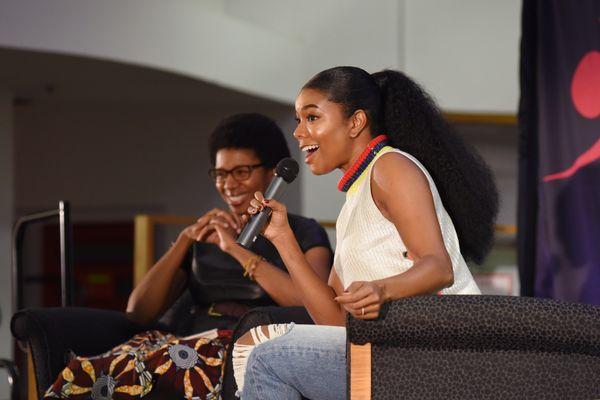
363,161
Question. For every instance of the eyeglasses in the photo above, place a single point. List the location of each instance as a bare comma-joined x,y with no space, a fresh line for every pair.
239,173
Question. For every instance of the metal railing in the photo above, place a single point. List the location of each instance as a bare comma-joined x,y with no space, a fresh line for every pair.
66,253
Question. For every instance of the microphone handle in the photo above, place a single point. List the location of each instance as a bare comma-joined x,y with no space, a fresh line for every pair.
276,188
258,221
250,232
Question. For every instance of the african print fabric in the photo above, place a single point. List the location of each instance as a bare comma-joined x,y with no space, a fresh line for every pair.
188,368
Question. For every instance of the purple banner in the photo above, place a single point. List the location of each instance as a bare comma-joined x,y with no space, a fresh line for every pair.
567,254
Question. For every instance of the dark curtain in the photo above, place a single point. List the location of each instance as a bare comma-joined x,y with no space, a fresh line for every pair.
559,167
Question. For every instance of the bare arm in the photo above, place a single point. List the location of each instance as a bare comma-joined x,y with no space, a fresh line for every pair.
161,285
317,296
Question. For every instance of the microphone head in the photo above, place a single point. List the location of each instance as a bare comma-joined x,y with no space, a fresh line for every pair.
287,169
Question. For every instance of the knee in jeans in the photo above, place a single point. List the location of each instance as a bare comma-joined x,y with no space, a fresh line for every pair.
254,358
246,349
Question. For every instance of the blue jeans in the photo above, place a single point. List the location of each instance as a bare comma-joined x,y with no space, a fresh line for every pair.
308,360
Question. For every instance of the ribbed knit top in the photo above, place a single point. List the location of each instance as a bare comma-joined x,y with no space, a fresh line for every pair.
369,246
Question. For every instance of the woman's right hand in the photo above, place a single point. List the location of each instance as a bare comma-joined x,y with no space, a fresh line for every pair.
201,229
278,225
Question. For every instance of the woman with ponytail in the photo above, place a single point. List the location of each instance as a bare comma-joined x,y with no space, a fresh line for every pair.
419,202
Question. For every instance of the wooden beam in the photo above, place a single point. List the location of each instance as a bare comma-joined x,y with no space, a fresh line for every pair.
173,219
143,256
507,229
476,118
499,228
31,381
327,224
360,372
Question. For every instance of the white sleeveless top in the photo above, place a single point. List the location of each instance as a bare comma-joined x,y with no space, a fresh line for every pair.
369,246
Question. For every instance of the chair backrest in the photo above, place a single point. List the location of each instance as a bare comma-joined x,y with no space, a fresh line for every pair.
481,347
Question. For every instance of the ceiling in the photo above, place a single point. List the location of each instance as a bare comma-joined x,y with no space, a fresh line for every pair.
46,77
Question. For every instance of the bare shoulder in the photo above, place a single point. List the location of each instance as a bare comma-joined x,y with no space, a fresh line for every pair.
399,187
394,172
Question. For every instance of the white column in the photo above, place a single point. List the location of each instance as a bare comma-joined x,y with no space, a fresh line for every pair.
6,219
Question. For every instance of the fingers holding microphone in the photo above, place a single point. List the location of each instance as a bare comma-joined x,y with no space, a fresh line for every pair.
257,204
268,215
276,214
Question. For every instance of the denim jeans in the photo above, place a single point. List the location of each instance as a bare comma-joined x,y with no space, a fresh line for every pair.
308,360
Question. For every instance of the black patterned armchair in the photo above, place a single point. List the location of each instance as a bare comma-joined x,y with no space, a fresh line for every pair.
476,347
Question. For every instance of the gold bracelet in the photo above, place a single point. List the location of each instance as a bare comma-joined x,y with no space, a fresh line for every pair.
247,264
253,267
250,265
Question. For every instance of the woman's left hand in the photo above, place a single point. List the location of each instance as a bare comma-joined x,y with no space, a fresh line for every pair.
219,232
362,299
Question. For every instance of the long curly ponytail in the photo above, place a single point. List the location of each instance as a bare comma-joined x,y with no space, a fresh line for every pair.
414,124
397,106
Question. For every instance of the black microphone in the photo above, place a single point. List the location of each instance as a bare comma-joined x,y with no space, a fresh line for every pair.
285,172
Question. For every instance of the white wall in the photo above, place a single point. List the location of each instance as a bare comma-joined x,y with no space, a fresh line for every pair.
267,48
333,32
465,52
193,38
6,220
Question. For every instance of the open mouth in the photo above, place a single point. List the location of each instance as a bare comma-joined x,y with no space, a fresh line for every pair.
310,149
236,200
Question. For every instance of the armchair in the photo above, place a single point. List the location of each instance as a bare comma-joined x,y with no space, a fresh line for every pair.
476,347
51,334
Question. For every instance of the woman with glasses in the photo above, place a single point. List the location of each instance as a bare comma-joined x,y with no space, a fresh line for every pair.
244,150
211,279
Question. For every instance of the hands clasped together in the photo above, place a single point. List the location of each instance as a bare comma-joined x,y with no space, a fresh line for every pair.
216,226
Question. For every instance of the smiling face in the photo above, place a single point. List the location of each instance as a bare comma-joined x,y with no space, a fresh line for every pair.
328,138
237,194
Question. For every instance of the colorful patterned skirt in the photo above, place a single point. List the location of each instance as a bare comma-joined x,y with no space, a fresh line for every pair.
150,362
